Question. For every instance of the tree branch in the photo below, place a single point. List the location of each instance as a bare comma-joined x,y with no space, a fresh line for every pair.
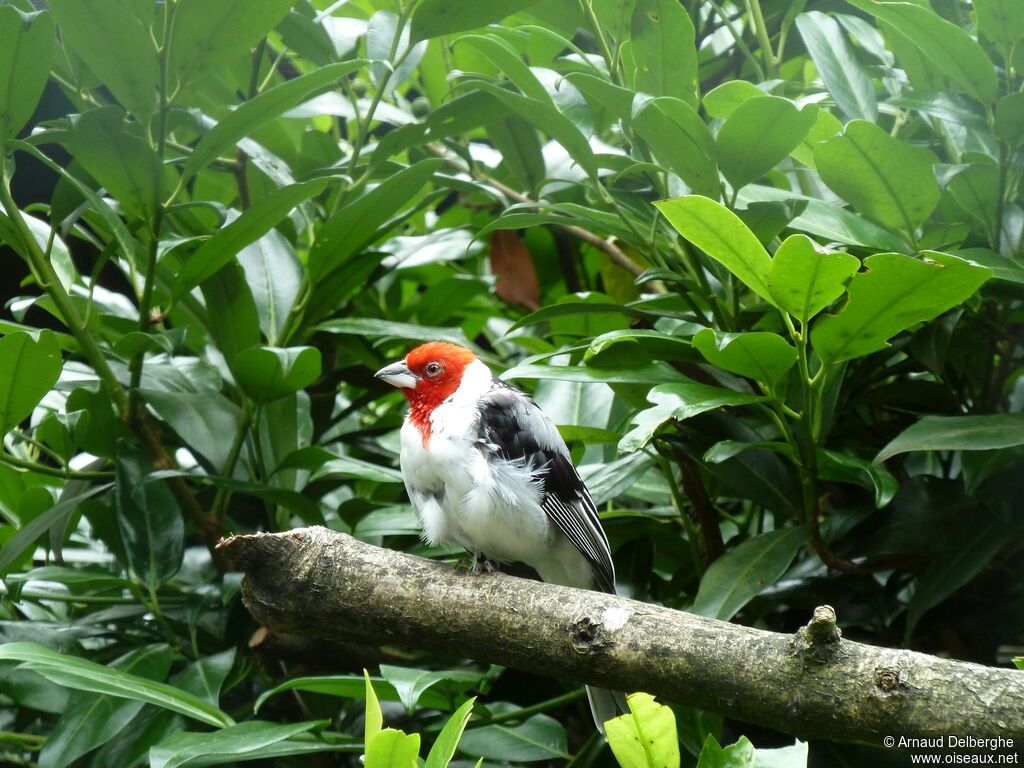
813,684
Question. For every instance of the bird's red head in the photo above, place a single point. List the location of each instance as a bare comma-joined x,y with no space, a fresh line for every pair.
427,376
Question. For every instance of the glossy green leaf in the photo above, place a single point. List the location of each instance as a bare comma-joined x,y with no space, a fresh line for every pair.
434,18
351,228
349,687
149,520
206,420
758,355
882,177
894,293
1000,20
207,34
267,373
205,676
31,366
444,746
374,718
121,161
410,683
679,401
638,374
274,275
253,224
392,749
91,720
949,48
846,79
722,100
232,320
663,50
681,141
1009,124
84,675
804,278
26,537
538,738
758,134
646,737
26,53
256,112
841,467
957,433
89,26
374,328
347,466
738,576
723,236
227,745
976,189
826,125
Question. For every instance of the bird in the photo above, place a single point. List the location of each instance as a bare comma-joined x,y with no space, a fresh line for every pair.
487,470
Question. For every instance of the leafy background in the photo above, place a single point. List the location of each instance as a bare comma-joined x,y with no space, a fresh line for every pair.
759,261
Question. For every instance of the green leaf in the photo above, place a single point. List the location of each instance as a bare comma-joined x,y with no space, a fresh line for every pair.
1009,125
206,421
347,466
844,76
91,720
350,687
207,34
1000,20
894,293
274,275
538,738
722,100
663,50
26,54
434,18
949,48
148,518
447,741
976,189
679,401
647,737
738,576
882,177
372,328
267,373
843,468
392,749
957,433
656,372
205,676
253,224
228,745
410,683
89,27
758,134
681,141
374,719
122,162
804,278
27,535
352,227
263,108
31,365
232,320
84,675
758,355
723,236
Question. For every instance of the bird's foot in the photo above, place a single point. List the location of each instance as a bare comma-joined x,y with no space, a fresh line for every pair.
477,565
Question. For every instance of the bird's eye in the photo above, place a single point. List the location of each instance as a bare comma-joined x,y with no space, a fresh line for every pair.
433,369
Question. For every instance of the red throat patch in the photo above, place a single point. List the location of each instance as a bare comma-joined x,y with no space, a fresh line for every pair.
439,366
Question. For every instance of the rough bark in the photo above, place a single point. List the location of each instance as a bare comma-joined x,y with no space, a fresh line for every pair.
812,684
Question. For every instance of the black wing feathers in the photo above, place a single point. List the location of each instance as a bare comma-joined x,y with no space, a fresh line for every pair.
513,428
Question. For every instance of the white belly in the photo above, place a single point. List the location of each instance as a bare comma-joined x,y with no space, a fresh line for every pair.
462,498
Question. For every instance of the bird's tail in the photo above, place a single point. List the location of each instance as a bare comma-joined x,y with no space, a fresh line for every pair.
606,704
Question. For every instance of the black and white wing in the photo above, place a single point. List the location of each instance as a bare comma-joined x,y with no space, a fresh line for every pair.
514,428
